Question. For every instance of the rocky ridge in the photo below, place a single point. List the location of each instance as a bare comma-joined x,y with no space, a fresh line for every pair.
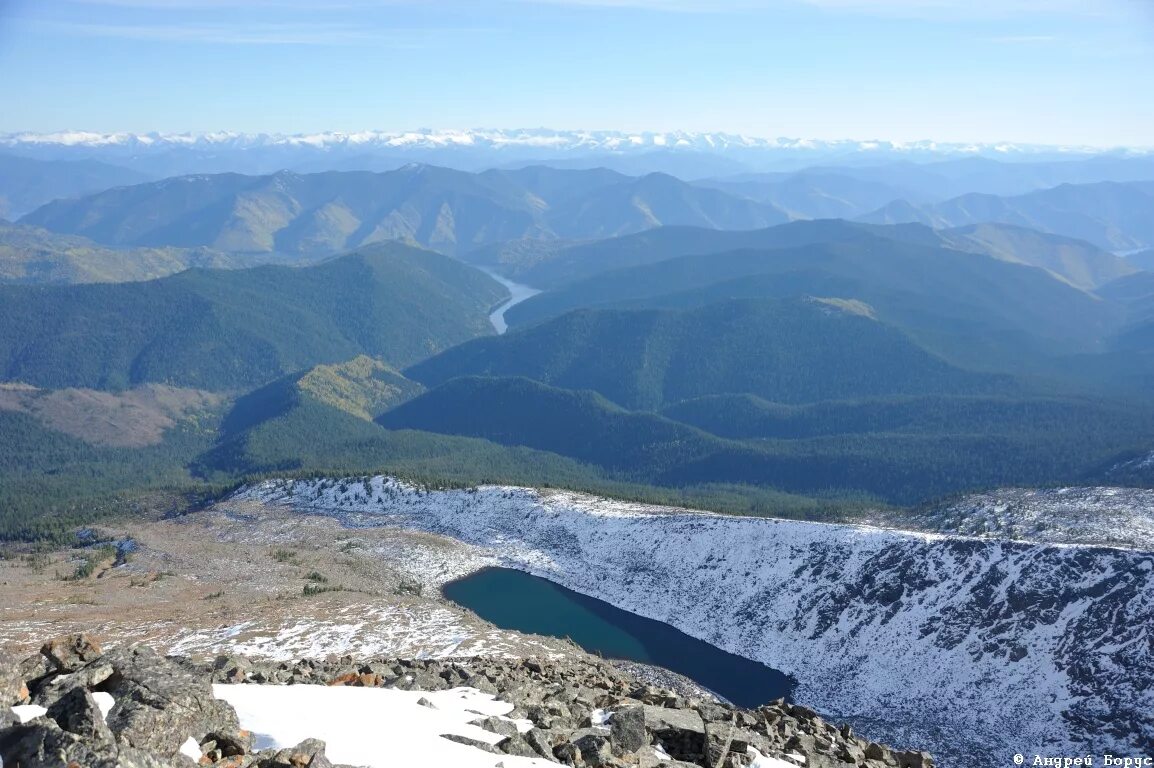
582,713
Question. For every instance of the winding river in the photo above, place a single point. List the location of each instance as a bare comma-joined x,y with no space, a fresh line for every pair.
518,293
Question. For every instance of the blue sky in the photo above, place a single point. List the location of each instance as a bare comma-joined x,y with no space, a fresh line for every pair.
1041,71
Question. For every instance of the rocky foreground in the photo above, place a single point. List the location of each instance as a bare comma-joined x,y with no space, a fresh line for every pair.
576,712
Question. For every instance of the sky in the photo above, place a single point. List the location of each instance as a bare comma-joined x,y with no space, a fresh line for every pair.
1065,72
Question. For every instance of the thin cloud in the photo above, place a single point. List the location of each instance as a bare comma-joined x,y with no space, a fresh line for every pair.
1023,39
186,5
929,9
261,34
951,9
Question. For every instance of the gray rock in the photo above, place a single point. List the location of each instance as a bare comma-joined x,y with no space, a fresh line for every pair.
659,719
820,760
850,752
681,732
914,760
593,745
712,712
310,753
231,669
43,743
77,712
568,753
35,669
159,704
627,731
13,689
718,742
517,745
539,715
497,725
470,742
88,677
540,742
230,743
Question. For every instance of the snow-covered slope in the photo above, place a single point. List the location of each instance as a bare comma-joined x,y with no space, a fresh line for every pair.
977,649
1111,517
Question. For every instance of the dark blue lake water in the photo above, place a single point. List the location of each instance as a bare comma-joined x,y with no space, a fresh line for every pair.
516,600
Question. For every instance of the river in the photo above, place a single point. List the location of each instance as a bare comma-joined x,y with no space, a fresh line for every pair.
519,293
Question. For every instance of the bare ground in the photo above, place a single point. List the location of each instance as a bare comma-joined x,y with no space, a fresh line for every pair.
238,578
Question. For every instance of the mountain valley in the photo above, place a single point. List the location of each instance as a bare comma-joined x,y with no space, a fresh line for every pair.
883,429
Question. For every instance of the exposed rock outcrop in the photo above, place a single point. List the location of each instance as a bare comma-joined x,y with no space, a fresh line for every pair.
582,713
592,713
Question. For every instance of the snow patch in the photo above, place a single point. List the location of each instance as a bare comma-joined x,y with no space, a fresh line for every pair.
26,712
373,727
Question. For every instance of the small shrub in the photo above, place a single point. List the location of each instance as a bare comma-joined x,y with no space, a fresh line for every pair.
284,555
92,561
35,561
317,577
409,587
319,589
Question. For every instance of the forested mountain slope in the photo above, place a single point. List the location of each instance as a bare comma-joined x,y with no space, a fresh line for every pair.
234,329
797,350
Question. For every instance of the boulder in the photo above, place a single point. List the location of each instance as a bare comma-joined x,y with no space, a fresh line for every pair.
593,745
159,704
310,753
13,689
519,746
470,742
35,670
230,743
43,743
88,677
914,760
719,742
681,732
498,726
231,669
540,741
70,652
627,732
77,712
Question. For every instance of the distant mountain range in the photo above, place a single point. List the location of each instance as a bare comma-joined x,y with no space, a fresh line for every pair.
446,210
847,187
683,153
1111,215
27,184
